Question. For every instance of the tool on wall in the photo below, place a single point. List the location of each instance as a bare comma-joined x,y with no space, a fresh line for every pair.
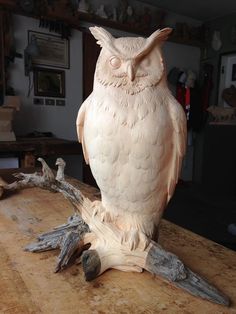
56,26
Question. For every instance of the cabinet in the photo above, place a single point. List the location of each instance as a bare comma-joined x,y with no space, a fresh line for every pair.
219,160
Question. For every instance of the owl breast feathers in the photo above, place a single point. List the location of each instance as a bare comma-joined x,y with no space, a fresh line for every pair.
132,130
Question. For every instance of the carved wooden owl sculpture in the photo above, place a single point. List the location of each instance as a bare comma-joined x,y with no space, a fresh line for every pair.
133,133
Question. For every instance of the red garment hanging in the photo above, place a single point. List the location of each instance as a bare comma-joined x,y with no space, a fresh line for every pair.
187,101
183,95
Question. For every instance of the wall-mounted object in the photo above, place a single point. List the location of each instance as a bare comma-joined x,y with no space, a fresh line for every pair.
32,50
27,6
101,12
54,50
49,83
38,101
83,6
216,42
49,102
60,102
57,26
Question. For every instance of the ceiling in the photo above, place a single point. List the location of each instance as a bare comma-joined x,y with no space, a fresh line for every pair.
203,10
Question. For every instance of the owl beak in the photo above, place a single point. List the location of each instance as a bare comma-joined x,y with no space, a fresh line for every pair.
130,71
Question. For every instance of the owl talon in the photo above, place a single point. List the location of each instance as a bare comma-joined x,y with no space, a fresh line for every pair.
105,216
143,241
134,239
99,210
95,212
96,208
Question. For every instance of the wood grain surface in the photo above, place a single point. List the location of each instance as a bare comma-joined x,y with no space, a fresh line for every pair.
29,285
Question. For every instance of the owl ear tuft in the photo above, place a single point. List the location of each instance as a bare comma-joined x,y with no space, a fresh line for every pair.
104,38
160,35
156,38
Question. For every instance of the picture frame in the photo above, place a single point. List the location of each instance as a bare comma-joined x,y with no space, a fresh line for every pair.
54,50
49,82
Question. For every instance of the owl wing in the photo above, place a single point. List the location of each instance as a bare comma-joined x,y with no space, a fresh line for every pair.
179,136
80,125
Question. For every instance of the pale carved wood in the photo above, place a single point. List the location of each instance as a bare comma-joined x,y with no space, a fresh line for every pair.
133,133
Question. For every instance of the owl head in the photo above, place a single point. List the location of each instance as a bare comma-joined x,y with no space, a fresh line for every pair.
130,63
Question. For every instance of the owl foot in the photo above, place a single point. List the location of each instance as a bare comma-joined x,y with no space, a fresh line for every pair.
106,217
99,210
134,238
96,206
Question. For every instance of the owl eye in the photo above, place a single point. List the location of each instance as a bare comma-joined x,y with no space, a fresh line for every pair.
115,62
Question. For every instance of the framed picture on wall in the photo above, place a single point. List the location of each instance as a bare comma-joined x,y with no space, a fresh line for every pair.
49,82
53,50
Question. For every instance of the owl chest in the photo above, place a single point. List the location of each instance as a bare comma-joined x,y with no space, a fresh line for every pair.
115,132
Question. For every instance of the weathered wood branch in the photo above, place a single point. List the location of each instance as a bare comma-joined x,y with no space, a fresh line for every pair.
67,237
100,243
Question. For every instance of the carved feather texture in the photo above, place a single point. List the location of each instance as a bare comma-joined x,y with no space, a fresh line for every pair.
133,133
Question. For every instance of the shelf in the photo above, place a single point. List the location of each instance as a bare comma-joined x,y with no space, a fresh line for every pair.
61,13
188,42
135,30
91,18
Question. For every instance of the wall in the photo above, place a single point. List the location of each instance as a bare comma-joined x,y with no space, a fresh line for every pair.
56,119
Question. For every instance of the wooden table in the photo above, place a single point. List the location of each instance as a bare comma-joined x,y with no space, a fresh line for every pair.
27,149
29,285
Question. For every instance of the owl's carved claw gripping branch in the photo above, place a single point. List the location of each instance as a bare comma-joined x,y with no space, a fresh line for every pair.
98,243
108,252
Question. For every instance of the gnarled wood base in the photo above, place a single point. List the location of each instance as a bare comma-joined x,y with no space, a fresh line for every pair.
98,244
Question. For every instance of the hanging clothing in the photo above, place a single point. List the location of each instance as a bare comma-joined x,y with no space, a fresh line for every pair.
183,95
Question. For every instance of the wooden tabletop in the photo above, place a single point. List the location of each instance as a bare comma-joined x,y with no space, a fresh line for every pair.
29,285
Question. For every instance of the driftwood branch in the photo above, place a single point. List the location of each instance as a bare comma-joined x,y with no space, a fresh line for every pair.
99,245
